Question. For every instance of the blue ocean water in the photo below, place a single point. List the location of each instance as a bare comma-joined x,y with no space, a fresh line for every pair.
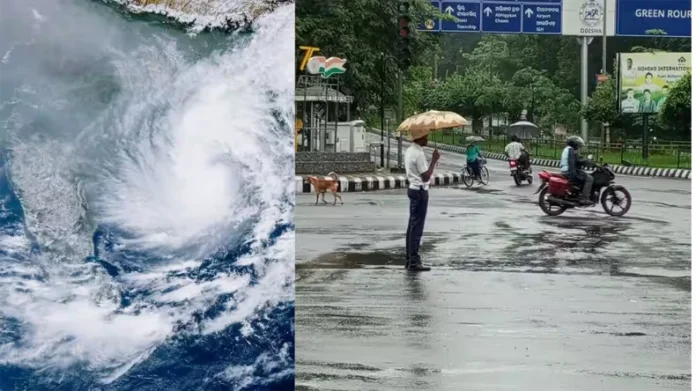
146,202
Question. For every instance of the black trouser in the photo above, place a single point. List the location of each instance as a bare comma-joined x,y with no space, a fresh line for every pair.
523,161
475,167
418,208
586,181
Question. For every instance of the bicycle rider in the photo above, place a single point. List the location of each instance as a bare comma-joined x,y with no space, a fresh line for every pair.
473,159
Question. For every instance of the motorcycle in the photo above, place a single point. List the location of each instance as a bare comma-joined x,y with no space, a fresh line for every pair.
518,174
557,193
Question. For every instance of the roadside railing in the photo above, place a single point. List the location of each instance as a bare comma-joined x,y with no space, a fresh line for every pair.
667,154
664,155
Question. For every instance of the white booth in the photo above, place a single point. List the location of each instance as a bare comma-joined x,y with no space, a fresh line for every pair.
347,136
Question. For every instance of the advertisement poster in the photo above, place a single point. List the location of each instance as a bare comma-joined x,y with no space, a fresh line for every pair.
646,78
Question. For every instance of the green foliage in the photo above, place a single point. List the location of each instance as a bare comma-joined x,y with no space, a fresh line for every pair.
547,103
418,81
365,32
491,85
506,54
669,44
602,104
474,94
676,112
473,74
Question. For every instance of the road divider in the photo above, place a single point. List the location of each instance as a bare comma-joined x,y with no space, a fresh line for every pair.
623,170
360,183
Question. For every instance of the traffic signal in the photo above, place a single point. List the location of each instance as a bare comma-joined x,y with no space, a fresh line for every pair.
404,20
404,34
405,56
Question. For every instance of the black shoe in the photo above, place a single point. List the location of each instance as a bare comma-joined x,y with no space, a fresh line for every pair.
408,262
585,202
418,267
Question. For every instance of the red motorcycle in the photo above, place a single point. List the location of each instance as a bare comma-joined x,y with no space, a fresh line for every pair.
518,174
557,193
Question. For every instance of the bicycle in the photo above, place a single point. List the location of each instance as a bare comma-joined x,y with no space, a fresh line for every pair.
468,174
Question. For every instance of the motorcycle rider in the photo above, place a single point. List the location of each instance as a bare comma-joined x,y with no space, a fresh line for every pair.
571,167
515,151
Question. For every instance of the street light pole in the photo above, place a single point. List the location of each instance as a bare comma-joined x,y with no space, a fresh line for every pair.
400,110
584,70
605,71
604,40
381,103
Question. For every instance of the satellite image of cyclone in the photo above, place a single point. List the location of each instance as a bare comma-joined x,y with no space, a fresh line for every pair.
146,195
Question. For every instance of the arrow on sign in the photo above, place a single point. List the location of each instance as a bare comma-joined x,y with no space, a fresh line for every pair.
449,10
529,12
487,11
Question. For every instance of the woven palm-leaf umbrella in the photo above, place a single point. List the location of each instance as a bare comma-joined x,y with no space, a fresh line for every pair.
420,125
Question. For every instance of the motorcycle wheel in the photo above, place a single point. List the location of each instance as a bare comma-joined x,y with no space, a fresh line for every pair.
530,179
517,180
547,207
609,201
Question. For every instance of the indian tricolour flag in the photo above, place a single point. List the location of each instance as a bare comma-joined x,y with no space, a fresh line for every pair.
326,67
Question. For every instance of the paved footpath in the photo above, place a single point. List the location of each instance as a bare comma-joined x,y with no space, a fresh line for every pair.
377,181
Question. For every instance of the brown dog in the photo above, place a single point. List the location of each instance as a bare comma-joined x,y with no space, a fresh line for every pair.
321,185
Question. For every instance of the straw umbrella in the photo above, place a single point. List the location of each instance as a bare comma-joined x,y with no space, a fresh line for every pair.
420,125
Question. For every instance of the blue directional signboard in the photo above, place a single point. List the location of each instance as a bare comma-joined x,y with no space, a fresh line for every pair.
467,13
636,17
633,17
542,18
499,16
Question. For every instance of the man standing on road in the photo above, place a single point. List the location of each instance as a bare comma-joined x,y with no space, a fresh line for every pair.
418,173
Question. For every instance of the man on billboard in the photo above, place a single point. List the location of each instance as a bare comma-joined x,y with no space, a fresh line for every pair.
649,85
630,104
647,105
661,101
629,73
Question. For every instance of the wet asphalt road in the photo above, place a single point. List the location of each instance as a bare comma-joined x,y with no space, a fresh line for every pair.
516,300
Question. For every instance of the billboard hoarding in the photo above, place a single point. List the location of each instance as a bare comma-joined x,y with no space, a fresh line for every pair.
645,79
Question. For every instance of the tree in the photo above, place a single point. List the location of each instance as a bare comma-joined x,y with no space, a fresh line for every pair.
418,81
676,112
365,32
493,54
532,75
561,109
602,104
546,103
663,45
474,94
